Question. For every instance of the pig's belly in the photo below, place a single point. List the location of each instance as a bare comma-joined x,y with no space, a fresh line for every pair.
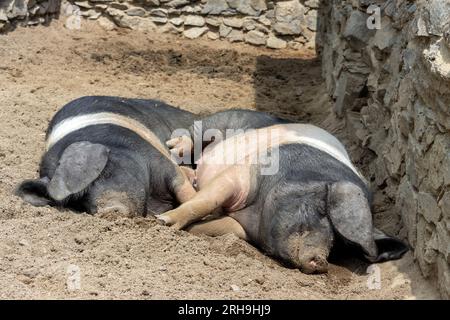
237,175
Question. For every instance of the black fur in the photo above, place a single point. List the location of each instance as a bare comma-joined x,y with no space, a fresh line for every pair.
134,166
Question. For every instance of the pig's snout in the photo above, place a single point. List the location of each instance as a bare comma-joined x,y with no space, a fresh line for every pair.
313,263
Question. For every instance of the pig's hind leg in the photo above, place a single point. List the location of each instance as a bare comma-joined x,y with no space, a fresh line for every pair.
218,227
210,198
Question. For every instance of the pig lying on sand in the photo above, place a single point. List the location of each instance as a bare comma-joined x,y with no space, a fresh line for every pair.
295,212
106,154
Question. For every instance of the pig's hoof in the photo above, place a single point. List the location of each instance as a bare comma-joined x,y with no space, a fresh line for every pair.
164,220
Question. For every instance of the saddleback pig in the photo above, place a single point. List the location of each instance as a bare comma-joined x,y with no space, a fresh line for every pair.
108,153
291,189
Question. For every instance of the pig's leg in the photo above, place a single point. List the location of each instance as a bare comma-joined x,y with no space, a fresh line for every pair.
182,185
218,227
211,197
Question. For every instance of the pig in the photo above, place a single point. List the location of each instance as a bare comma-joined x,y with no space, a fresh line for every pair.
296,213
107,154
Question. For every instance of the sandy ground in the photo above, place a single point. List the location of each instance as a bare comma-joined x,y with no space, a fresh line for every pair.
43,68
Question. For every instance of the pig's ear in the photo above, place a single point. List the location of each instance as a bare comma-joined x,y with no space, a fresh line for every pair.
350,215
389,248
80,164
34,192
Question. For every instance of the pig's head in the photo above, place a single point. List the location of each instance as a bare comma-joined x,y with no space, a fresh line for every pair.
303,220
90,178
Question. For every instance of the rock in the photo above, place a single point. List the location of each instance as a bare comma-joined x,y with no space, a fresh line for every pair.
235,288
106,24
255,37
84,4
215,7
314,4
196,21
249,24
17,9
285,28
311,20
276,43
439,15
161,20
289,18
24,243
428,206
176,21
212,22
233,22
73,22
195,32
134,23
356,31
265,21
136,12
248,7
224,30
119,6
158,12
177,3
91,14
236,36
212,35
191,9
153,3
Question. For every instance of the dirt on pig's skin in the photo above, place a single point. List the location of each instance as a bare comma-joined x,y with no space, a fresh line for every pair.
43,249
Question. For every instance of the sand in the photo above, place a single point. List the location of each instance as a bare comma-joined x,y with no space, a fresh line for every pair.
43,250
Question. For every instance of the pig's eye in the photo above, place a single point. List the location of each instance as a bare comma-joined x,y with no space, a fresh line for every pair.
213,138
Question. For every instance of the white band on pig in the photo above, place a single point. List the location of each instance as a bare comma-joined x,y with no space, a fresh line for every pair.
319,139
72,124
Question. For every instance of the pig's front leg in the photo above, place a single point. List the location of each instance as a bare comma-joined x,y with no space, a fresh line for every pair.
210,198
218,227
180,146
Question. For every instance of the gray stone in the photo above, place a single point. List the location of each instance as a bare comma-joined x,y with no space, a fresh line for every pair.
176,21
195,32
311,20
428,207
138,12
196,21
288,28
314,4
276,43
439,16
233,22
159,19
106,24
160,12
119,6
73,22
224,30
248,7
236,36
212,35
91,14
290,18
255,37
215,7
356,31
191,9
84,4
212,22
177,3
265,21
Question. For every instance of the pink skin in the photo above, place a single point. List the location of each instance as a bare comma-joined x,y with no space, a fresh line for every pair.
224,178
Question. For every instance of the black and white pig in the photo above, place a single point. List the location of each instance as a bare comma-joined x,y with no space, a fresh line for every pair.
108,154
289,188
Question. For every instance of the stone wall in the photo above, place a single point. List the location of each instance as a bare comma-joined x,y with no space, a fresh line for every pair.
276,25
392,86
26,12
